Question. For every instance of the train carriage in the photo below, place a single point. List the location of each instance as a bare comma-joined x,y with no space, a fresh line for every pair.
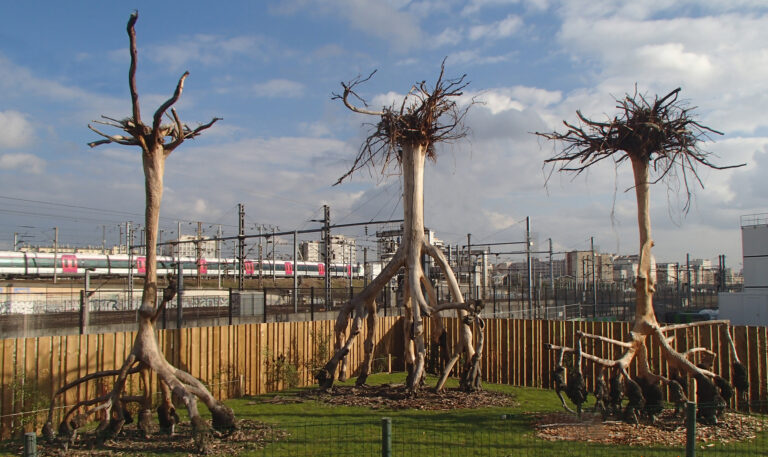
40,264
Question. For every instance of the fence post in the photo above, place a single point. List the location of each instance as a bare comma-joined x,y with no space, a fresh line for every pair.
386,437
230,306
312,303
30,444
264,291
493,291
690,429
83,311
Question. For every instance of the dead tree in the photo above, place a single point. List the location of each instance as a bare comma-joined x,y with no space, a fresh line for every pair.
406,135
660,136
156,141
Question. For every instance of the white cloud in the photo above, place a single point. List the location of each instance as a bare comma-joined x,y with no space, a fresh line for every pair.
275,88
496,30
209,50
518,98
499,220
383,20
16,130
475,6
25,163
474,57
713,58
449,37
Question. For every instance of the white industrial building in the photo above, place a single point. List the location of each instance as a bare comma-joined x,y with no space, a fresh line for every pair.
750,307
342,249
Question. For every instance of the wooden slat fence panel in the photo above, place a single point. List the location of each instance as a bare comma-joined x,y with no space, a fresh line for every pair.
235,360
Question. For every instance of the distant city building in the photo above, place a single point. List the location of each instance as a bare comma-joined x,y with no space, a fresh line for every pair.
517,271
625,268
342,250
579,264
667,273
186,246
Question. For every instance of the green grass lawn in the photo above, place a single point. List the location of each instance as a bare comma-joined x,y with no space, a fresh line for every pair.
317,429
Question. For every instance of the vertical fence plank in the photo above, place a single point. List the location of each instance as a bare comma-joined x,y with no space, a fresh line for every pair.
8,349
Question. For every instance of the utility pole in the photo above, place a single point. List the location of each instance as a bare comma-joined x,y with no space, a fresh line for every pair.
178,239
529,272
295,273
722,275
688,277
551,278
218,253
365,266
327,231
261,259
594,276
55,251
103,239
470,267
198,253
274,259
240,246
128,239
484,266
350,265
179,298
15,240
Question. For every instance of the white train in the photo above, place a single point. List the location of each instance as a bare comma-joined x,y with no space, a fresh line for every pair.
37,264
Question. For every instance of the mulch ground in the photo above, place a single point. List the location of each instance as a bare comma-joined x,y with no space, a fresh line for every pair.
397,396
250,435
669,429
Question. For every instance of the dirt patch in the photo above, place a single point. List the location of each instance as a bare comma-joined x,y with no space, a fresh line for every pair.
669,430
397,396
250,435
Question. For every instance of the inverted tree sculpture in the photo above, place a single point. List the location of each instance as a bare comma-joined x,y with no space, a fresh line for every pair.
660,135
156,142
406,134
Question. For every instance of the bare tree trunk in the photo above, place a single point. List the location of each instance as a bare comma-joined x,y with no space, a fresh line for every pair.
156,143
408,256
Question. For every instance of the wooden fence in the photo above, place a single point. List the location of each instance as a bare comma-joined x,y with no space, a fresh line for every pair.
244,359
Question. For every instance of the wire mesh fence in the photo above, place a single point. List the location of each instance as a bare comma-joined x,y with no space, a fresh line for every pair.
512,435
414,433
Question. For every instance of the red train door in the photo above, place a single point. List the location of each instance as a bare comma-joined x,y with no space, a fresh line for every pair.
68,264
141,265
248,267
202,266
288,269
321,269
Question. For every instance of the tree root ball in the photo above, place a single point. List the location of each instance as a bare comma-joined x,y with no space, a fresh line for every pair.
146,423
201,434
223,419
740,377
167,417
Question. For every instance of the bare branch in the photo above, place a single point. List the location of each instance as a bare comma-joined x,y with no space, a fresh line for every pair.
426,116
158,117
120,139
132,70
663,133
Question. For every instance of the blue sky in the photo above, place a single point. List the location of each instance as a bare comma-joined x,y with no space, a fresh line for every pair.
269,69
